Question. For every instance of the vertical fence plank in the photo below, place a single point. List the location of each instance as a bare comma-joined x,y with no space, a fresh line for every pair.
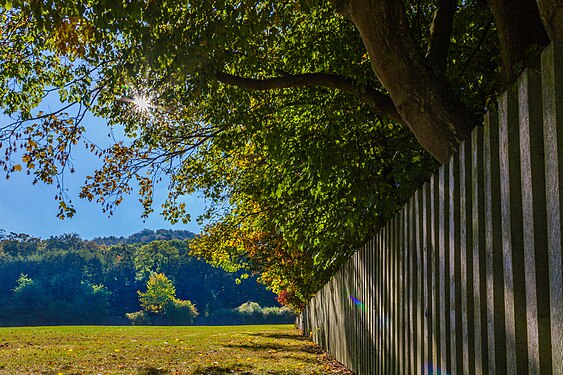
389,302
327,310
535,226
360,308
512,237
356,313
466,263
403,338
351,315
403,271
412,274
367,307
383,296
356,278
444,281
338,337
494,260
435,297
427,308
400,294
381,288
337,311
420,343
386,301
408,274
392,289
345,300
455,268
376,306
478,210
552,82
373,272
435,315
394,300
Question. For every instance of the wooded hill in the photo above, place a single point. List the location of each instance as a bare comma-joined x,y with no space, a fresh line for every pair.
68,280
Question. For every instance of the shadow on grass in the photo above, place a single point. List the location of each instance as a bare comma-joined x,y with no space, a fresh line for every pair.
259,346
278,336
152,371
220,370
296,348
215,370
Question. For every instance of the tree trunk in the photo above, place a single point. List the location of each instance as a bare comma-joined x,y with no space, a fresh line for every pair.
519,25
438,119
551,12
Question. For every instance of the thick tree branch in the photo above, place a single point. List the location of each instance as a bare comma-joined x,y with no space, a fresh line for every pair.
378,101
440,34
551,12
519,26
436,116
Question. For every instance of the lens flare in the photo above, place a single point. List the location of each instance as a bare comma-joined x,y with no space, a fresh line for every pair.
358,303
429,369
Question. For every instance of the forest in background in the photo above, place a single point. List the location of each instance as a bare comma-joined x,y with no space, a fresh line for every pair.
68,280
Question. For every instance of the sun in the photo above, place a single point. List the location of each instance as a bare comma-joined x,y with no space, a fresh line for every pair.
142,103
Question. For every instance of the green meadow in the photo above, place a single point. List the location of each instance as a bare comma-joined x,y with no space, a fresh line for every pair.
261,349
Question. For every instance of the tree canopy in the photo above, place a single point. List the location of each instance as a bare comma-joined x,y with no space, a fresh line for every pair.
305,122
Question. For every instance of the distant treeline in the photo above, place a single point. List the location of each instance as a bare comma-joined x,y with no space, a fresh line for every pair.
146,236
68,280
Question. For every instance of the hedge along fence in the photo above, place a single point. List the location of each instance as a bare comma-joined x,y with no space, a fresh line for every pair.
467,277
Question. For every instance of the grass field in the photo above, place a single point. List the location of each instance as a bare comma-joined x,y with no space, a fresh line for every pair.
267,349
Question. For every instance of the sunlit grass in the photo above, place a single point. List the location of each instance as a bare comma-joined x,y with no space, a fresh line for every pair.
272,349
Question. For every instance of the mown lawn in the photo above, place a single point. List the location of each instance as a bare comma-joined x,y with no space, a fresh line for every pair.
266,349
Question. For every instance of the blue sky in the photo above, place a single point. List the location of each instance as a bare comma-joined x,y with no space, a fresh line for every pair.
32,209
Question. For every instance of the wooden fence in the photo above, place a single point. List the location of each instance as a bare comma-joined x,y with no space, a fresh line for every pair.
467,278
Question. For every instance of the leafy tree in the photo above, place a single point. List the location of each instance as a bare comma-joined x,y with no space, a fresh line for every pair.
94,303
180,312
65,242
160,299
157,256
28,302
23,283
160,293
295,118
